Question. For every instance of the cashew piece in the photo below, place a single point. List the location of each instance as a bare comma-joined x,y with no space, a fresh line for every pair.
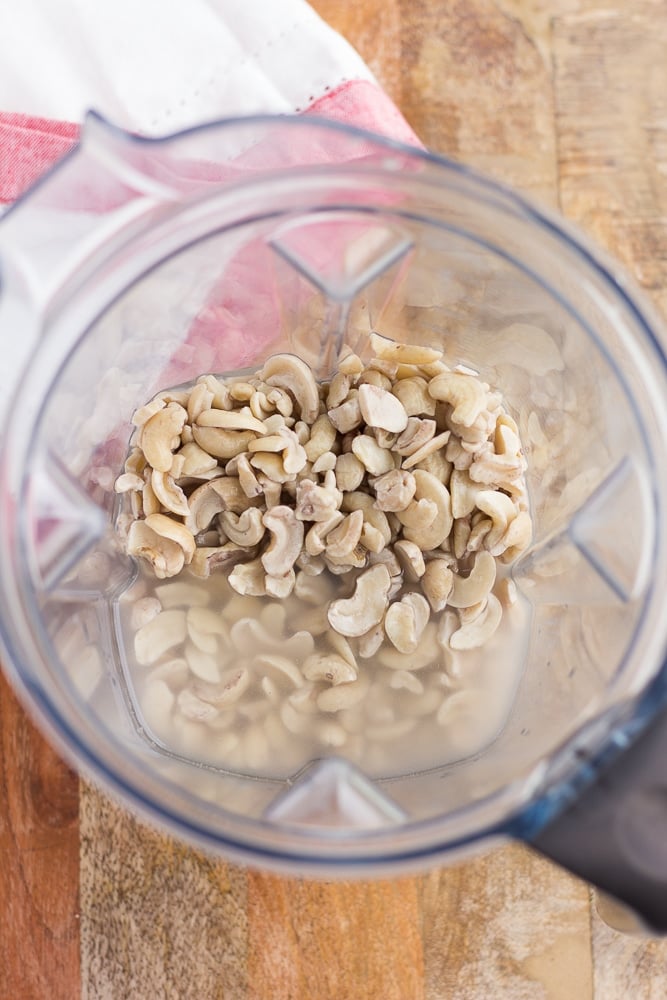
413,394
244,529
221,442
167,527
501,510
375,459
165,556
479,631
159,635
465,393
208,558
329,667
405,622
416,434
411,559
355,615
434,534
341,696
196,460
394,490
429,448
382,409
213,498
406,354
472,589
232,420
167,491
437,583
160,436
179,594
232,684
280,586
286,371
347,416
286,540
344,538
321,439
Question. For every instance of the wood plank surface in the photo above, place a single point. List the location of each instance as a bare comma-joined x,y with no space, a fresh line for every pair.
39,863
566,99
158,920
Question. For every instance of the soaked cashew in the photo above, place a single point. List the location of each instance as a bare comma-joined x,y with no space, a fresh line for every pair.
366,607
286,540
162,633
329,667
431,535
476,633
405,621
160,436
472,589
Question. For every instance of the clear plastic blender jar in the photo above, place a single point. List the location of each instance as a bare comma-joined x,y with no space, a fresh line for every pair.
138,265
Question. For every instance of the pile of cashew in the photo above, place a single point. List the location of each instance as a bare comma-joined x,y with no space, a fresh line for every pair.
401,477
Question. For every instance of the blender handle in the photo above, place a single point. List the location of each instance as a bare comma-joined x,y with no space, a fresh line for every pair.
615,834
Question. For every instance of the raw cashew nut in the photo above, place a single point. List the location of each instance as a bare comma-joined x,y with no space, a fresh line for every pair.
244,529
355,615
167,527
476,633
322,437
429,448
430,536
472,589
501,510
208,558
344,538
416,434
159,635
213,498
465,393
286,540
413,394
280,586
374,458
286,371
406,354
329,667
165,556
342,696
314,502
405,622
232,684
232,420
347,416
196,460
437,583
221,442
394,490
380,408
161,435
411,559
463,492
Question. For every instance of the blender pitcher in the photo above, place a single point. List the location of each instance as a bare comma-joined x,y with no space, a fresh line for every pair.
137,265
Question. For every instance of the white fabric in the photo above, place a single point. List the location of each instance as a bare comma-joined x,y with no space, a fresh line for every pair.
156,66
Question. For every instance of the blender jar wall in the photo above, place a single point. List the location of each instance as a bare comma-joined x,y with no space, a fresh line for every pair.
454,266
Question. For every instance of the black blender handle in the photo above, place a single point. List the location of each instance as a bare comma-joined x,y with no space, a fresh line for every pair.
615,834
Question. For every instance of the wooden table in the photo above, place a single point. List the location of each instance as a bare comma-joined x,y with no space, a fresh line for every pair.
567,100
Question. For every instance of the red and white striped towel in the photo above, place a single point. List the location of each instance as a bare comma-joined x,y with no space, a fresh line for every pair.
161,65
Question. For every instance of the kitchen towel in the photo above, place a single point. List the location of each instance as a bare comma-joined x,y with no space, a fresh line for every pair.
159,66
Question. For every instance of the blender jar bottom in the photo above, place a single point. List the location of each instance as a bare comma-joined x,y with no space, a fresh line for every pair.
448,706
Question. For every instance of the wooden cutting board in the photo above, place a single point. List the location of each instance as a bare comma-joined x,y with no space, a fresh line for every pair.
567,100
